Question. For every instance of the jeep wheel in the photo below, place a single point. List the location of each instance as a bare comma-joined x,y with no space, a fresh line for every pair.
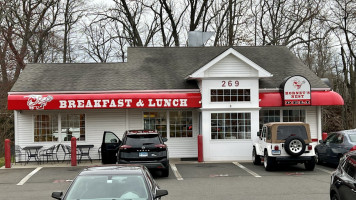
256,159
310,165
268,162
295,146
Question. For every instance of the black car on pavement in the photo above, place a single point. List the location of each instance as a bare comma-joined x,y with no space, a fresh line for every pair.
145,147
335,146
117,182
343,180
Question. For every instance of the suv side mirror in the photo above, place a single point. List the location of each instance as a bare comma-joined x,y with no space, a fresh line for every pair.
160,193
258,133
321,141
57,195
164,139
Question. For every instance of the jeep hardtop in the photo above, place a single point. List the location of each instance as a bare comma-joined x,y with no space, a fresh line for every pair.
284,142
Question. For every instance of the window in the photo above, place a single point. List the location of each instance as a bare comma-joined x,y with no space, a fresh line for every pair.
267,116
283,132
73,125
155,121
46,128
294,115
181,124
230,126
229,95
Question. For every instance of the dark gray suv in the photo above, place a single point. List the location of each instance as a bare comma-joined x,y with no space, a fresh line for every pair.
145,147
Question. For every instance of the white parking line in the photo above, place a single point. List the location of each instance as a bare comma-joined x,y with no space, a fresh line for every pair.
175,171
23,181
324,170
247,170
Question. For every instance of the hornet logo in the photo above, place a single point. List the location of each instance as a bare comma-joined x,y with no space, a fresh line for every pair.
297,83
38,102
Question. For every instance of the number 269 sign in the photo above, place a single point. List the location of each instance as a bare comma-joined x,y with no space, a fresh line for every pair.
230,83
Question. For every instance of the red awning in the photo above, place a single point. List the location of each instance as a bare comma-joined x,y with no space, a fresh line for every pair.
103,101
318,98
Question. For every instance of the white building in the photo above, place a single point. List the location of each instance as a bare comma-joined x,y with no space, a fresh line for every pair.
223,93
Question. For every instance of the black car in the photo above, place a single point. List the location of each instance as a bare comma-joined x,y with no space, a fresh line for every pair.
343,180
113,182
335,146
145,147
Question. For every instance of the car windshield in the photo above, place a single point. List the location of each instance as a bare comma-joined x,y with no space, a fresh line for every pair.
352,137
103,187
140,140
283,132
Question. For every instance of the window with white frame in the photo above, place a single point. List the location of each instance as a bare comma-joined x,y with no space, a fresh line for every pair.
267,116
46,128
156,121
294,115
73,125
230,125
229,95
180,124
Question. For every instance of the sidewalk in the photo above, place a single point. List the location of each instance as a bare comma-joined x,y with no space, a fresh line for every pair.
31,164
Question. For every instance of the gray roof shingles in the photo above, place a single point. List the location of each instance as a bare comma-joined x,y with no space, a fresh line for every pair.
162,68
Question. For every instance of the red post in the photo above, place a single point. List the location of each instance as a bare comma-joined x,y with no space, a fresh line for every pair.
7,154
324,136
73,141
200,148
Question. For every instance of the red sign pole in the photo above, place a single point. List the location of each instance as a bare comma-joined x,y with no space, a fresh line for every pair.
7,154
74,151
200,148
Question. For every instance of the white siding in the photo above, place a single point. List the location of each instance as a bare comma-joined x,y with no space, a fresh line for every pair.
135,119
231,66
312,120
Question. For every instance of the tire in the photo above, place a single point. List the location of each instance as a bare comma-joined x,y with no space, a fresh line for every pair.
268,162
294,146
256,159
335,197
310,165
317,158
165,172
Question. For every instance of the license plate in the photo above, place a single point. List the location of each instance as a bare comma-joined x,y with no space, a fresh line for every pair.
143,154
276,152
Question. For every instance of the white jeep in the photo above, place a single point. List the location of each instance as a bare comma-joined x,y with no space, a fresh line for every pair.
284,142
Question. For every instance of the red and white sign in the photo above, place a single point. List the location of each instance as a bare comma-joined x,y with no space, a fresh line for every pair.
296,91
104,101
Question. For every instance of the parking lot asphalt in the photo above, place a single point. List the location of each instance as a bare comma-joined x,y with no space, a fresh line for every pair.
187,180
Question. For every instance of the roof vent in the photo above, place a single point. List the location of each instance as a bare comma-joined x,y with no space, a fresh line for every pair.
198,38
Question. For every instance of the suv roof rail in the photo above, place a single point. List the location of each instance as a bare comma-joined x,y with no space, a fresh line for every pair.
141,131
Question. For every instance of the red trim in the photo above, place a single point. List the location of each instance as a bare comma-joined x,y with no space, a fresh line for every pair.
104,101
318,98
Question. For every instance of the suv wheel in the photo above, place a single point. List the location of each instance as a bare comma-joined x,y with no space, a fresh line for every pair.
256,159
268,162
165,172
317,158
310,165
295,146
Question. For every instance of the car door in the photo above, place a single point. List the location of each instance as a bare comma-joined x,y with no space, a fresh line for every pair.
262,140
109,148
334,148
347,184
323,147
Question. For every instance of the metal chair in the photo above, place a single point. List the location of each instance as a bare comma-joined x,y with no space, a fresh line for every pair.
19,152
55,152
67,151
48,153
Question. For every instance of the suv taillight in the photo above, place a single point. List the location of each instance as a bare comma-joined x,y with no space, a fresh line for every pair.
353,148
276,147
161,146
310,147
123,147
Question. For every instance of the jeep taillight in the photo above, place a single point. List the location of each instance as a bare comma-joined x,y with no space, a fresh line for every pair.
310,147
276,147
123,147
353,148
161,146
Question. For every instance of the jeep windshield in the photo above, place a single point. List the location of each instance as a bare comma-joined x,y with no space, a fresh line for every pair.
141,140
283,132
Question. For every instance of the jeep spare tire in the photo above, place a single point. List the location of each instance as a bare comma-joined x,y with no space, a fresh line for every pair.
294,146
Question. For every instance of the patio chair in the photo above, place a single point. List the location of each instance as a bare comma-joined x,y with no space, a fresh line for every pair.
67,151
55,152
19,153
48,153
